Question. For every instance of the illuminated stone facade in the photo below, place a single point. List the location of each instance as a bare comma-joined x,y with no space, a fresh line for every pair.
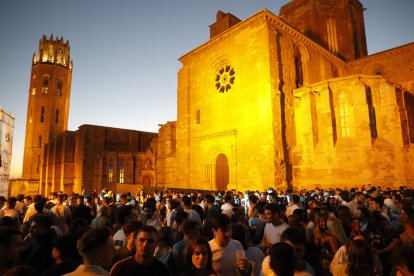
6,142
266,104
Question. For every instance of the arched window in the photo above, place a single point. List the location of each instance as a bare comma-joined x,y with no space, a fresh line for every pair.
42,114
343,110
59,87
57,116
110,172
409,107
45,85
298,68
332,36
121,172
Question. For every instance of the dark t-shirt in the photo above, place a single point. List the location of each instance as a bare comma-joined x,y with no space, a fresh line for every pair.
130,267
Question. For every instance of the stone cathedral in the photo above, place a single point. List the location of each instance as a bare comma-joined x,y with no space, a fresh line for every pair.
291,101
288,101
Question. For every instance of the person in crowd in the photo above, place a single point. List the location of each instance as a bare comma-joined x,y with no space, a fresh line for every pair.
295,204
164,249
275,224
82,211
199,258
253,199
61,215
404,260
191,229
143,263
281,261
187,207
297,240
227,207
212,210
337,232
173,206
124,214
37,250
324,244
257,224
10,247
406,221
130,228
195,205
180,218
9,210
226,259
66,256
96,247
150,218
254,255
103,217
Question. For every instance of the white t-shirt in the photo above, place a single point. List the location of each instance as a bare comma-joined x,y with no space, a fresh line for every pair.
224,258
272,233
290,209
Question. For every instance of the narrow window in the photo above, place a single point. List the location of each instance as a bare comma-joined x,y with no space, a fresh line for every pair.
298,69
57,116
409,106
371,113
59,88
343,115
40,141
45,85
121,172
110,172
198,116
42,114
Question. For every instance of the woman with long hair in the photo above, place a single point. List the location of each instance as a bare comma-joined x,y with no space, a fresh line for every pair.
336,230
360,259
199,258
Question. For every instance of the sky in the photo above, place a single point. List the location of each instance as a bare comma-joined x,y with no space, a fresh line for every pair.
125,53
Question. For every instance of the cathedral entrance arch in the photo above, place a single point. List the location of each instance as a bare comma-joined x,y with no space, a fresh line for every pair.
222,172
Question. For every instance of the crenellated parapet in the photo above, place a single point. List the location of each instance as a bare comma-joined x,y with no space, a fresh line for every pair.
53,51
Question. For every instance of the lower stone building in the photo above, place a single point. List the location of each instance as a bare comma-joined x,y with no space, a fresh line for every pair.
96,157
6,142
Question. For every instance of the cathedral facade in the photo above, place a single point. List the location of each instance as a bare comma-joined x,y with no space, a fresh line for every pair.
291,101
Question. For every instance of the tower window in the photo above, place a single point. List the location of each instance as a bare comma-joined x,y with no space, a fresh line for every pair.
121,172
34,85
7,137
332,35
59,88
45,85
42,114
57,116
40,141
38,164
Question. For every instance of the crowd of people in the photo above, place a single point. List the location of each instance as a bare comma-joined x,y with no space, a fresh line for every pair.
365,231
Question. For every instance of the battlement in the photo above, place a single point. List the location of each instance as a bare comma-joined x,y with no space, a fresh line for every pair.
54,51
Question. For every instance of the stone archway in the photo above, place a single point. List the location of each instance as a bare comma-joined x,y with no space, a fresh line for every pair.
222,172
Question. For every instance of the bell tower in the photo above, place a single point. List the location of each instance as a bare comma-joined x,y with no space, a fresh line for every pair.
337,25
48,105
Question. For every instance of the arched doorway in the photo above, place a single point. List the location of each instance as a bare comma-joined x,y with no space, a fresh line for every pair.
222,172
146,181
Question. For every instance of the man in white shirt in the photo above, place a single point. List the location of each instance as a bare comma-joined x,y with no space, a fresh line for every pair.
192,214
295,205
275,225
227,207
227,254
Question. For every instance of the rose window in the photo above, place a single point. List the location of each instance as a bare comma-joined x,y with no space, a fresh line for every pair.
225,77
